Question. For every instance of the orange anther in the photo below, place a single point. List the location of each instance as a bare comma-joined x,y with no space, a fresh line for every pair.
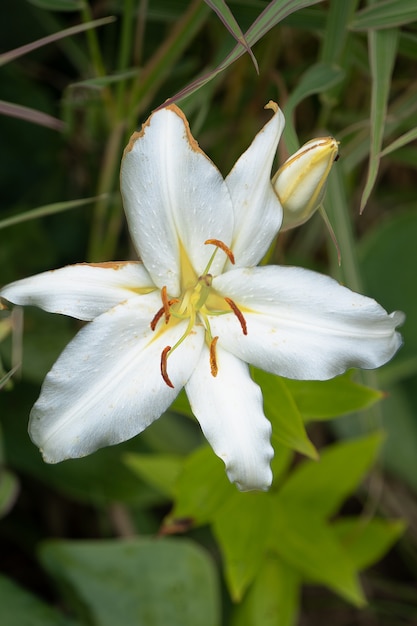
213,359
222,246
157,317
164,359
238,314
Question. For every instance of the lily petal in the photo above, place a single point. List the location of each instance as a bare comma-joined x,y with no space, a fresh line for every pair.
175,199
82,291
303,325
258,211
106,386
229,410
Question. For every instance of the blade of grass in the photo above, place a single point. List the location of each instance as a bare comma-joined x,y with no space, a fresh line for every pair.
406,138
385,15
47,209
318,78
226,16
31,115
7,57
382,53
274,13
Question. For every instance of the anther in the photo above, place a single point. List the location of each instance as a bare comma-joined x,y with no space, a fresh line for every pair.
222,246
164,359
238,314
213,359
157,317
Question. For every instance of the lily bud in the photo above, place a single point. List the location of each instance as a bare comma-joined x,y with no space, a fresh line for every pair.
300,182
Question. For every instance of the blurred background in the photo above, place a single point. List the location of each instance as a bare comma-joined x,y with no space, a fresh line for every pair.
67,109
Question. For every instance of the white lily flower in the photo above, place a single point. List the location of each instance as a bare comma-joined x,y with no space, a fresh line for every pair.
196,310
301,181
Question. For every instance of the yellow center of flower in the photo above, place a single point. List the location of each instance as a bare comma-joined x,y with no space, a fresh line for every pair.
196,303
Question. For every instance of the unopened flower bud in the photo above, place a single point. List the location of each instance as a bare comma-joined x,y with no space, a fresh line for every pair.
300,182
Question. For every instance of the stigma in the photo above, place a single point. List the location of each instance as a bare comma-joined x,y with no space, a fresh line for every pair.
195,305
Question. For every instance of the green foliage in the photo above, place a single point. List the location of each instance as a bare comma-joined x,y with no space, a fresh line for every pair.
141,582
20,608
72,95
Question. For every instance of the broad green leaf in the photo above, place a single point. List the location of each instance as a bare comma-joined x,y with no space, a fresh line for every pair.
367,541
137,582
273,598
382,52
322,486
272,15
226,16
280,408
181,405
391,283
48,209
308,545
21,608
202,487
9,488
241,528
159,470
317,79
399,421
322,400
385,15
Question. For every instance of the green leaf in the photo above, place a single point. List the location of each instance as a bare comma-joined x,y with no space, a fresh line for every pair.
243,545
280,408
391,283
58,5
382,51
308,545
367,541
21,608
136,583
49,209
322,400
159,470
7,57
401,141
9,488
274,592
385,15
202,487
272,15
317,79
228,19
322,486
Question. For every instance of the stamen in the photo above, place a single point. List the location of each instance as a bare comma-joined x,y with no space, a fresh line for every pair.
238,314
222,246
164,359
165,304
213,359
157,317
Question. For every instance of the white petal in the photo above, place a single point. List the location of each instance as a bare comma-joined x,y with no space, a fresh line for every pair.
229,410
258,212
303,325
82,291
173,195
106,386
